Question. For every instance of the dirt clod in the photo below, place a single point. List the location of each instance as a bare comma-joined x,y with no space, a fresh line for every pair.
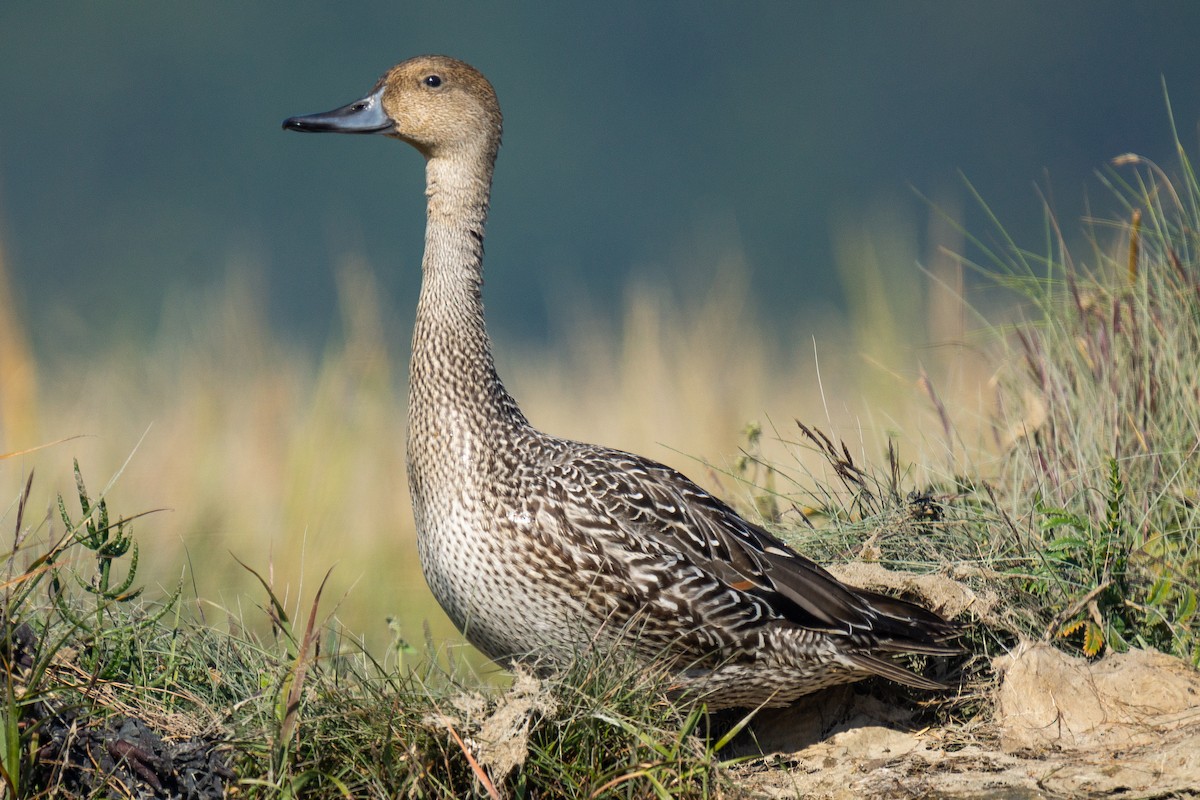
504,736
1127,725
125,757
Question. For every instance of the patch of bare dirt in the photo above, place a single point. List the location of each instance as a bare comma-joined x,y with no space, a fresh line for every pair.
1127,725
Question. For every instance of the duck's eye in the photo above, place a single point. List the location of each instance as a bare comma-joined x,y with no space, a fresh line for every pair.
433,81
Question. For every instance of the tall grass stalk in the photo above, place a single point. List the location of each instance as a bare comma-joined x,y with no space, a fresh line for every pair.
1104,386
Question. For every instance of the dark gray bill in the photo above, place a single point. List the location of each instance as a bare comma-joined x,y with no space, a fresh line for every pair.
361,116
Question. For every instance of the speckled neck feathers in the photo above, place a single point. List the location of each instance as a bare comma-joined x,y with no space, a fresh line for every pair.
453,375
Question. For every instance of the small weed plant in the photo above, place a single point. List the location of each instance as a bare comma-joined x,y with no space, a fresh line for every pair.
107,636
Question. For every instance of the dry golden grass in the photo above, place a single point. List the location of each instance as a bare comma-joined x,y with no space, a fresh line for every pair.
293,463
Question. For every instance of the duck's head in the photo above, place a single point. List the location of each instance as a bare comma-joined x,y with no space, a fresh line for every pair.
437,104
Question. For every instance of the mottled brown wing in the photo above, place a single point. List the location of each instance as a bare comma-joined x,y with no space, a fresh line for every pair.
657,510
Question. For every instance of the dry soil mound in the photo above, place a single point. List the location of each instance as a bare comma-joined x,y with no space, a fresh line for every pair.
1127,725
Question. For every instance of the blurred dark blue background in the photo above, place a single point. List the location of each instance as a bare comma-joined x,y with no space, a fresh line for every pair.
140,147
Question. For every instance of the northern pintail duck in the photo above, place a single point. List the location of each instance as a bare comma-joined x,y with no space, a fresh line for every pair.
539,547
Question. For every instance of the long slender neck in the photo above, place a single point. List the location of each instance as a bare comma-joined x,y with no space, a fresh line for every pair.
453,377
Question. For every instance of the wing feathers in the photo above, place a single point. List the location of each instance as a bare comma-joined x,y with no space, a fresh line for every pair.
877,666
654,508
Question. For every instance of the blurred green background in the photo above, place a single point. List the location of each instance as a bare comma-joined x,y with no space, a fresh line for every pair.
140,147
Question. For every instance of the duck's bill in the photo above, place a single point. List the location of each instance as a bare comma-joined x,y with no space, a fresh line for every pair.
361,116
